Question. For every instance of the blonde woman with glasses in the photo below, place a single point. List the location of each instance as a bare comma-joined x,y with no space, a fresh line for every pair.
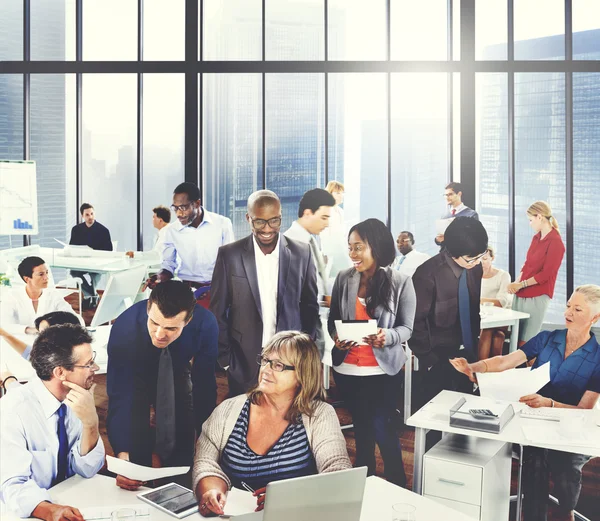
534,287
281,429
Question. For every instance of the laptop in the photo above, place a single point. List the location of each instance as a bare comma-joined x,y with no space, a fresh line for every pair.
334,496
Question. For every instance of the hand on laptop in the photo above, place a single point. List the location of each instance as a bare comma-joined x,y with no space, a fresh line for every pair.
260,495
212,502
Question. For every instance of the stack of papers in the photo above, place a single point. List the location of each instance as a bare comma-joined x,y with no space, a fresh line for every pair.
513,384
140,472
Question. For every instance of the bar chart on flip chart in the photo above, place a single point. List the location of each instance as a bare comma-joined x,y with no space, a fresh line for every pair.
18,198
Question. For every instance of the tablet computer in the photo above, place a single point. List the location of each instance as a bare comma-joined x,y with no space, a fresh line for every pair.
172,499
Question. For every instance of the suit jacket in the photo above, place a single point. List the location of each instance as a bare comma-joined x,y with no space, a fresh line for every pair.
465,212
437,333
132,382
235,301
398,323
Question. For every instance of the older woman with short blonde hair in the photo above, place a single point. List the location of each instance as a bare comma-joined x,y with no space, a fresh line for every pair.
281,429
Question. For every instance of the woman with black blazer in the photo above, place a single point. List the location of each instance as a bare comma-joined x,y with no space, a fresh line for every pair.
367,375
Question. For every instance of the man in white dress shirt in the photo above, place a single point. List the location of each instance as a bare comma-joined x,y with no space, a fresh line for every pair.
50,426
409,259
194,241
24,304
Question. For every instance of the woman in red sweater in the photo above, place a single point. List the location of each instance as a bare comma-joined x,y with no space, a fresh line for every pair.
534,286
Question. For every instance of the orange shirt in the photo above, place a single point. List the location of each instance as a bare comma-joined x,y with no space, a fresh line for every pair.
361,356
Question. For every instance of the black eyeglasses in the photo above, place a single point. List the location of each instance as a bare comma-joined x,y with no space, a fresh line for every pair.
90,365
180,208
474,259
259,224
276,365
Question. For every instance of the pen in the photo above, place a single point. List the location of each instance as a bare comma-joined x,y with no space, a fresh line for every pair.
247,487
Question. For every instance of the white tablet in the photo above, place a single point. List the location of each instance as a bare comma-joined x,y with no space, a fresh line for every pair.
172,499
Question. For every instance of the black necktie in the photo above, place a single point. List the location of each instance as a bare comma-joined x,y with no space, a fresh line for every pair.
63,446
165,407
464,311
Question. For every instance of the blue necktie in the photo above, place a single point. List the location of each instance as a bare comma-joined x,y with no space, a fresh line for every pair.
465,315
63,445
402,259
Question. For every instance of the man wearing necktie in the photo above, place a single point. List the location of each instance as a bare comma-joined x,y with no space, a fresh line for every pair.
161,358
447,323
455,207
50,426
314,211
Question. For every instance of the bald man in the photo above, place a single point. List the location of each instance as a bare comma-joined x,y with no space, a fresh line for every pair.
262,284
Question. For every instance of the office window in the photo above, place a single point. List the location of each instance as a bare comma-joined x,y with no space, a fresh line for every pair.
53,149
295,137
232,30
491,29
419,29
537,36
162,145
53,30
540,164
295,30
586,30
358,143
110,30
492,161
586,181
357,30
232,144
11,30
420,151
164,30
109,159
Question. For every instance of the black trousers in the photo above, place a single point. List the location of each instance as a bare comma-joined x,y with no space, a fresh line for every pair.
372,403
565,469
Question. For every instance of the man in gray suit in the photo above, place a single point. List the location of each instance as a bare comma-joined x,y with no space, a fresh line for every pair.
261,284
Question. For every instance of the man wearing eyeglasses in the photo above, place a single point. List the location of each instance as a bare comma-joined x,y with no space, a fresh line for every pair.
50,426
193,240
448,289
262,284
455,207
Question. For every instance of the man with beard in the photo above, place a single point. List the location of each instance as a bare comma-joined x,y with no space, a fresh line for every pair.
50,426
262,284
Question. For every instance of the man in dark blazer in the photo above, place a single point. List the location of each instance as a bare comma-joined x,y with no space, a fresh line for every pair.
448,289
261,284
161,356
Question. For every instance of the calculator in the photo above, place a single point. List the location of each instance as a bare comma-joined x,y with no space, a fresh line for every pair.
482,414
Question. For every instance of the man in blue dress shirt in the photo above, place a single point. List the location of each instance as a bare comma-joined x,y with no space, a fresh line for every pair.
193,242
50,426
161,363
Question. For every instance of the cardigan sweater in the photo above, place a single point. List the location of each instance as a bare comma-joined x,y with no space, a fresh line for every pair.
323,430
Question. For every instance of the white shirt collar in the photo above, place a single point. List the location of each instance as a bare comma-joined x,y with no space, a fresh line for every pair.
458,209
47,400
206,218
301,229
274,253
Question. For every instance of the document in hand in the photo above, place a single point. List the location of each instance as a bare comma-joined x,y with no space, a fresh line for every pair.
513,384
355,330
442,224
141,473
239,502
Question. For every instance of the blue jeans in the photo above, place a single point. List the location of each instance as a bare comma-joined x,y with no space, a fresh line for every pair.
372,402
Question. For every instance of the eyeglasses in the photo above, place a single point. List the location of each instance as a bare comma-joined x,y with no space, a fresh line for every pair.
90,365
474,259
181,207
276,365
449,194
259,224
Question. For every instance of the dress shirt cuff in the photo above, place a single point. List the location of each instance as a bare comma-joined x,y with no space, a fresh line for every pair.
27,352
29,496
88,465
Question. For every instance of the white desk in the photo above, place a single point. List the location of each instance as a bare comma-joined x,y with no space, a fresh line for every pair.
377,505
493,317
22,369
435,416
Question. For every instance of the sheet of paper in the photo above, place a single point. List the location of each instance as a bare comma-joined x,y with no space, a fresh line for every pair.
239,502
355,331
441,225
141,473
513,384
548,433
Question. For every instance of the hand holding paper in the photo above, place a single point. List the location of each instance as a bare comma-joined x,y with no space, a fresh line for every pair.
141,473
511,385
355,330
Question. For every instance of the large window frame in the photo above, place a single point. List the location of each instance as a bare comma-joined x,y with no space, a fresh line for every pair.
193,67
